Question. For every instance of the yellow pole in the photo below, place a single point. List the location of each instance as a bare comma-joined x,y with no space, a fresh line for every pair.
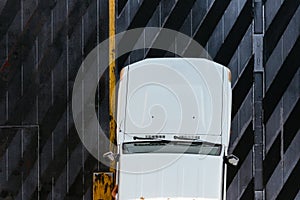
103,182
112,78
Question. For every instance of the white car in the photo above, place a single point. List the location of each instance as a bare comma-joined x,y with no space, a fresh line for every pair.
173,129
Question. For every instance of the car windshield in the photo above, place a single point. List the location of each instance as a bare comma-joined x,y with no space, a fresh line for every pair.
186,147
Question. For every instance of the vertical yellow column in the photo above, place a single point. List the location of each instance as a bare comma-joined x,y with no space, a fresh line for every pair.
112,79
103,182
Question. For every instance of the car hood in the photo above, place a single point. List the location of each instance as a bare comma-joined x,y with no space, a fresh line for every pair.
179,96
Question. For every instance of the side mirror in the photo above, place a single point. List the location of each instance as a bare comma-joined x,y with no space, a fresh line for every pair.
111,156
232,160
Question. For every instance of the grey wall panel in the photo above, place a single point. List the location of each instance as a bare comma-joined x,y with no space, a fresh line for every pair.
245,50
166,7
283,48
273,127
233,190
198,12
49,103
27,9
271,9
241,57
291,96
246,173
245,114
15,165
231,14
224,26
123,19
186,27
241,120
68,175
282,111
234,68
290,159
278,25
298,196
241,180
274,185
44,43
2,4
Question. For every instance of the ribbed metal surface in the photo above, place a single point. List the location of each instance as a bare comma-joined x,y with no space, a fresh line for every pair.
43,42
42,46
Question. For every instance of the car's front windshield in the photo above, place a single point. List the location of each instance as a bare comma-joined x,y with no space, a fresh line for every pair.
186,147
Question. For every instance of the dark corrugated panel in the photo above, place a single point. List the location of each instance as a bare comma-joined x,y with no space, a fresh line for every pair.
235,35
290,187
279,24
140,19
281,80
7,15
121,4
174,21
241,150
39,61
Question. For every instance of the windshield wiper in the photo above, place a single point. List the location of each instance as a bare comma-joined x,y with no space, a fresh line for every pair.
146,138
186,138
193,140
